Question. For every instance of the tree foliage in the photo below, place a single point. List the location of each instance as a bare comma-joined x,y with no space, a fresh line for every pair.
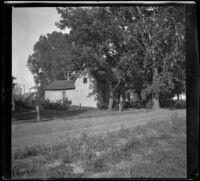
146,44
155,40
50,58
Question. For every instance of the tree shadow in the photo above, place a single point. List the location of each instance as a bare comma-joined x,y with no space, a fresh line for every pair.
46,115
100,90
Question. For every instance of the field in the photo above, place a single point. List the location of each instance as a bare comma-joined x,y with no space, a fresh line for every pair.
147,144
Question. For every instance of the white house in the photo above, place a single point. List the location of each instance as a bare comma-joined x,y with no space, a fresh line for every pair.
78,91
86,89
33,89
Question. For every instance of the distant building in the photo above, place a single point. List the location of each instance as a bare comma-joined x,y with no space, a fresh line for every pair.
33,89
88,89
180,97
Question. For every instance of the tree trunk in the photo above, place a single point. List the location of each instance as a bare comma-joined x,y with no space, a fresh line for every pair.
111,96
155,101
38,112
155,98
178,97
138,92
121,104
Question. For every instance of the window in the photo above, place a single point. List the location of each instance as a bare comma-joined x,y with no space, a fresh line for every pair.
85,80
64,94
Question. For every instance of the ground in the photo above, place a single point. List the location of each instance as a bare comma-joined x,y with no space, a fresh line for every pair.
132,144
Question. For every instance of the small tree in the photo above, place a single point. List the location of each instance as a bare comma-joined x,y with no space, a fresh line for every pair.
17,92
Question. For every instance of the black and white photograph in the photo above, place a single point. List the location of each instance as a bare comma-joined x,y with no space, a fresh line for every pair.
99,91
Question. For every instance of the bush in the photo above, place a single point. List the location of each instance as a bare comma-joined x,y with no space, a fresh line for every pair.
58,105
167,102
21,103
181,104
149,104
173,103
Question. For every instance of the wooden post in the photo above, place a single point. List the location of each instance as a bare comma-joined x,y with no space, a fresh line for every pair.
120,104
38,112
37,108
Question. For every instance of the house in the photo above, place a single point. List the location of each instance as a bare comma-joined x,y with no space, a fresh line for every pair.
33,89
88,89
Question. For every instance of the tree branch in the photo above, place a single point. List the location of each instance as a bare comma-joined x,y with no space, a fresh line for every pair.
116,85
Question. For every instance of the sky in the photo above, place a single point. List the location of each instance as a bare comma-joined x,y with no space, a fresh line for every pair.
27,25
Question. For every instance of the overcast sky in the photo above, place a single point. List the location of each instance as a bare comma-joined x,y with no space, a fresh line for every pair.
27,25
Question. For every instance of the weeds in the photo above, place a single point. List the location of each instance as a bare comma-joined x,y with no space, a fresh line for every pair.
99,153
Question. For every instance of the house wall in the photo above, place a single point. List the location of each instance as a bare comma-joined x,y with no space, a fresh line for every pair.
53,95
84,93
32,90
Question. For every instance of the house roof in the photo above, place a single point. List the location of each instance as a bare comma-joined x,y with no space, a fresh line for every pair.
100,75
61,85
69,84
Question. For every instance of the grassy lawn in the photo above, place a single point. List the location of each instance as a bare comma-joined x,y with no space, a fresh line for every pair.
28,116
156,150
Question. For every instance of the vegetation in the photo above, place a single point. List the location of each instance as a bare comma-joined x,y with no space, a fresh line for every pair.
58,105
145,44
157,150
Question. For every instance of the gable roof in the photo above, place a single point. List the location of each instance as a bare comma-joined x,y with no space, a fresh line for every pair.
100,75
61,85
69,84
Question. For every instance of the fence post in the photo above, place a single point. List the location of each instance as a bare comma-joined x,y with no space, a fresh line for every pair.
37,108
38,112
120,104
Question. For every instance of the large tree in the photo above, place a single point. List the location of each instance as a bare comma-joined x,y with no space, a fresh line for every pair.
50,60
155,48
97,37
146,43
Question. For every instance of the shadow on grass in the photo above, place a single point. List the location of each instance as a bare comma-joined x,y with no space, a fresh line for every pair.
155,150
46,115
29,116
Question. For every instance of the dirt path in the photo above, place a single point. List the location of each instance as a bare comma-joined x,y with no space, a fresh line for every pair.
56,131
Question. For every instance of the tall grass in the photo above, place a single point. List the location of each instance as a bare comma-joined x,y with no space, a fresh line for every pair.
155,145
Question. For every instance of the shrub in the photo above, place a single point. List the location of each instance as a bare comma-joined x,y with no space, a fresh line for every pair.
181,104
21,103
96,164
149,104
58,105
